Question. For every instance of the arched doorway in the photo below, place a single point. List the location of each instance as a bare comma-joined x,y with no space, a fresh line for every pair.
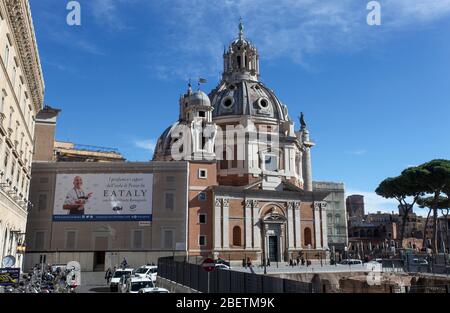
273,234
307,236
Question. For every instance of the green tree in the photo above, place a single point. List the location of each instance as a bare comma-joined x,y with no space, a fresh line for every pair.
403,188
434,176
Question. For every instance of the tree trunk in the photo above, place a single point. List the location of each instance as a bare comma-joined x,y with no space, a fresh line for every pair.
402,231
424,242
435,221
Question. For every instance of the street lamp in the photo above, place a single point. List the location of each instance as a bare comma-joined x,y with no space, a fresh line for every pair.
264,247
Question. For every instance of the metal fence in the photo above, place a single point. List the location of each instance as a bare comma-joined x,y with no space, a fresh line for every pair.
227,281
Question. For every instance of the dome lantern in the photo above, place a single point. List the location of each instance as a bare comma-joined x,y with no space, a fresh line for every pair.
241,60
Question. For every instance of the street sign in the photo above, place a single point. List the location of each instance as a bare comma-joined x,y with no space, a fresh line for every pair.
208,265
8,261
9,276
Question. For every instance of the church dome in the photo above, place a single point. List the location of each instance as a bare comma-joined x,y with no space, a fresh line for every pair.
199,98
247,98
164,143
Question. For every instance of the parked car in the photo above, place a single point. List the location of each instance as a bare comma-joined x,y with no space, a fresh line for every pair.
61,267
136,283
153,290
147,270
351,262
417,261
114,283
221,267
222,261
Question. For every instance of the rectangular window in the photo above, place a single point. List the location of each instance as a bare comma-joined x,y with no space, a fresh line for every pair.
5,163
202,173
202,240
42,202
202,196
71,239
169,201
39,240
202,218
271,163
138,236
13,167
2,101
13,79
6,56
168,239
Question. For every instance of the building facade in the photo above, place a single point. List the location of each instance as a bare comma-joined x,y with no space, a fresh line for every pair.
355,206
264,205
103,243
21,97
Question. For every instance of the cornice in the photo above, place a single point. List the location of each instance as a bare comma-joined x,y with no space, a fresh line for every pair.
19,15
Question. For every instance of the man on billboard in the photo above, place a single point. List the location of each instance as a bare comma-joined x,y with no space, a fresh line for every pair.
76,198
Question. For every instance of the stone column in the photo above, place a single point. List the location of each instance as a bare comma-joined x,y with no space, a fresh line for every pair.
323,214
298,229
248,224
317,224
291,231
256,226
226,227
307,171
218,224
306,160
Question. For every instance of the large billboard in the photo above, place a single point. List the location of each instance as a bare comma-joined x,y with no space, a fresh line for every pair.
103,197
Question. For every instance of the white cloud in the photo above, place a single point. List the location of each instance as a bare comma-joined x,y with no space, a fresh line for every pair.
88,47
108,14
293,29
146,144
358,152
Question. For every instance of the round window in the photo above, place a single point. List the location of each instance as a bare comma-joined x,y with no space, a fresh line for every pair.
263,103
227,102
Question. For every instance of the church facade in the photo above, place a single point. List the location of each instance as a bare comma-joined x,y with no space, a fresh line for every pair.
251,192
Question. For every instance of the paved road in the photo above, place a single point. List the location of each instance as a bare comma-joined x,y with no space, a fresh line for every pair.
317,268
93,282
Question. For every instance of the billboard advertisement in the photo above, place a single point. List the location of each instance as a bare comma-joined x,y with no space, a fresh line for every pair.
103,197
9,276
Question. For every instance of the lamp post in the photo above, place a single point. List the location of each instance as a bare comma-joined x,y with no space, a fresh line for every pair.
264,248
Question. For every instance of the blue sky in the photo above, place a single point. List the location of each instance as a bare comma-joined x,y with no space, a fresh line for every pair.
376,98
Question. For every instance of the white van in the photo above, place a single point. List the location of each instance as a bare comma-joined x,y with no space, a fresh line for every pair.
147,271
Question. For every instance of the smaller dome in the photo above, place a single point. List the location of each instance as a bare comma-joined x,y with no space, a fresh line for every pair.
199,98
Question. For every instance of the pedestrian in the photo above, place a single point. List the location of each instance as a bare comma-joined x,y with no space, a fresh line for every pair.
303,261
249,263
298,260
124,263
291,263
108,275
244,265
268,262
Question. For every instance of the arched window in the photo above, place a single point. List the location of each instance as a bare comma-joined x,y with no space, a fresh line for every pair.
239,61
329,218
307,236
337,218
237,236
